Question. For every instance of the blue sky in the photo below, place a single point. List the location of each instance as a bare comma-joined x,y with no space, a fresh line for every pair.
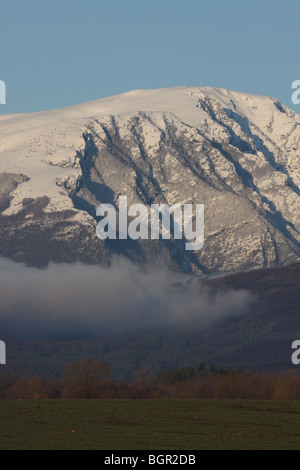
62,52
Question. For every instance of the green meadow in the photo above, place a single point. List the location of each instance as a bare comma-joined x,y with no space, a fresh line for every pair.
125,424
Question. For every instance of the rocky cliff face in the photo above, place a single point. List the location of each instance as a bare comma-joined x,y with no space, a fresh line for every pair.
238,154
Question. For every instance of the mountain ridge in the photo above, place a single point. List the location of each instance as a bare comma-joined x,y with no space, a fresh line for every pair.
234,152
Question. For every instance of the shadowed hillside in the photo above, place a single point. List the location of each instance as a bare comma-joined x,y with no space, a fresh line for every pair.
259,341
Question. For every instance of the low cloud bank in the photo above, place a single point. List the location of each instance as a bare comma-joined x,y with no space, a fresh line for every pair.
70,301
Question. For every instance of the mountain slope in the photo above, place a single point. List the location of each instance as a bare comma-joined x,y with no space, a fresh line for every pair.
236,153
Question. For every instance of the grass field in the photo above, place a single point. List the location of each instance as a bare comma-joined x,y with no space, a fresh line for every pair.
149,424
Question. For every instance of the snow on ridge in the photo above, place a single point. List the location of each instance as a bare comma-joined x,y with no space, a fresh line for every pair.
44,145
179,99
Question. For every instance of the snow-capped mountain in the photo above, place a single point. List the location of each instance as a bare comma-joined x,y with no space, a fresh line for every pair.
236,153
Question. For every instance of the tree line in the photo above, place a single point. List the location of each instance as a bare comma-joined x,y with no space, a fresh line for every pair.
93,379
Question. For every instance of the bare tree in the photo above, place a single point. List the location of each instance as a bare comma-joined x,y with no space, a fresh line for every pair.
85,378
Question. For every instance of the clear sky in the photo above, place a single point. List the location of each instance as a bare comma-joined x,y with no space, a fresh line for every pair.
62,52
